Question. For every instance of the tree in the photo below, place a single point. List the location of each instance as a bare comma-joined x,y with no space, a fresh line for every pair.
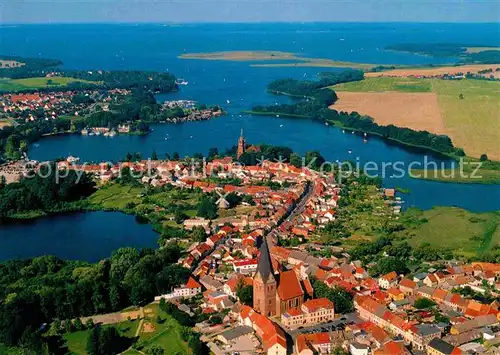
213,153
207,208
461,96
341,298
78,325
198,234
215,319
3,182
176,156
483,157
244,293
154,156
389,264
424,303
106,341
89,324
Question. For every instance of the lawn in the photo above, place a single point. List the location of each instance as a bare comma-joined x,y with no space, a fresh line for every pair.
38,83
164,331
463,232
474,121
77,341
116,196
166,334
382,84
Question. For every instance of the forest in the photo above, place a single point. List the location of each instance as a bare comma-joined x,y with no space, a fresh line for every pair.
122,79
44,190
316,107
441,50
43,289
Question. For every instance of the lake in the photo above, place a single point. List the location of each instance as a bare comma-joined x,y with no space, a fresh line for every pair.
88,236
236,86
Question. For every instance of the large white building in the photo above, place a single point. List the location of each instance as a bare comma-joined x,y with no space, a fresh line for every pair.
190,289
311,312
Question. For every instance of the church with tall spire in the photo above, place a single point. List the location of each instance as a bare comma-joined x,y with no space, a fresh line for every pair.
276,292
241,145
264,284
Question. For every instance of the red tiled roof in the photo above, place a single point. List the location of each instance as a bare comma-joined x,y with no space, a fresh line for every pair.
305,340
394,291
408,283
390,276
289,286
192,283
316,304
308,287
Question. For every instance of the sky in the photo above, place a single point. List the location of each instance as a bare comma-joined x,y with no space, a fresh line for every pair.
162,11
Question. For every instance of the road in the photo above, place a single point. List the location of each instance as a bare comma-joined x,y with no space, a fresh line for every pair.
299,208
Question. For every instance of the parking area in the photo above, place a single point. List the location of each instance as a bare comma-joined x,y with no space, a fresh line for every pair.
338,324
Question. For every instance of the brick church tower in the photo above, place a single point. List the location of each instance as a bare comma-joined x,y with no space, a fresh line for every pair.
241,145
264,284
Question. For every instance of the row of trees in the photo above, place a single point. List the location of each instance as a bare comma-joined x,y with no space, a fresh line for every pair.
309,88
317,107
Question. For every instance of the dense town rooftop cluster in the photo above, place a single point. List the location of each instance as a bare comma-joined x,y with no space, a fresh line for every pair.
423,313
51,105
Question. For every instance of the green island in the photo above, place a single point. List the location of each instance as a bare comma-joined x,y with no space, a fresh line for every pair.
465,53
285,59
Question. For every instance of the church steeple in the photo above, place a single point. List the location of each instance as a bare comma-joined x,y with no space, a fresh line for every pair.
265,266
264,284
241,145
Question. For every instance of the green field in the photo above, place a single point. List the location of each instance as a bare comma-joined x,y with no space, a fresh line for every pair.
77,341
465,233
166,334
466,173
381,84
470,108
474,121
38,83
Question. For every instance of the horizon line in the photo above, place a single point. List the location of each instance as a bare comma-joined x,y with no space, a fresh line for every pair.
240,22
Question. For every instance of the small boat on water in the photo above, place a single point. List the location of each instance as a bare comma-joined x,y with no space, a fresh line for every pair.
181,81
281,125
227,101
365,141
349,151
326,123
343,131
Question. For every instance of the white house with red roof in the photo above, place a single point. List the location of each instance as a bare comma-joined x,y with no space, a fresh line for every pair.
190,289
388,280
320,310
246,266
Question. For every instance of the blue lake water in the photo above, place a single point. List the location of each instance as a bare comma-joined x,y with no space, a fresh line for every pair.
157,47
78,236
